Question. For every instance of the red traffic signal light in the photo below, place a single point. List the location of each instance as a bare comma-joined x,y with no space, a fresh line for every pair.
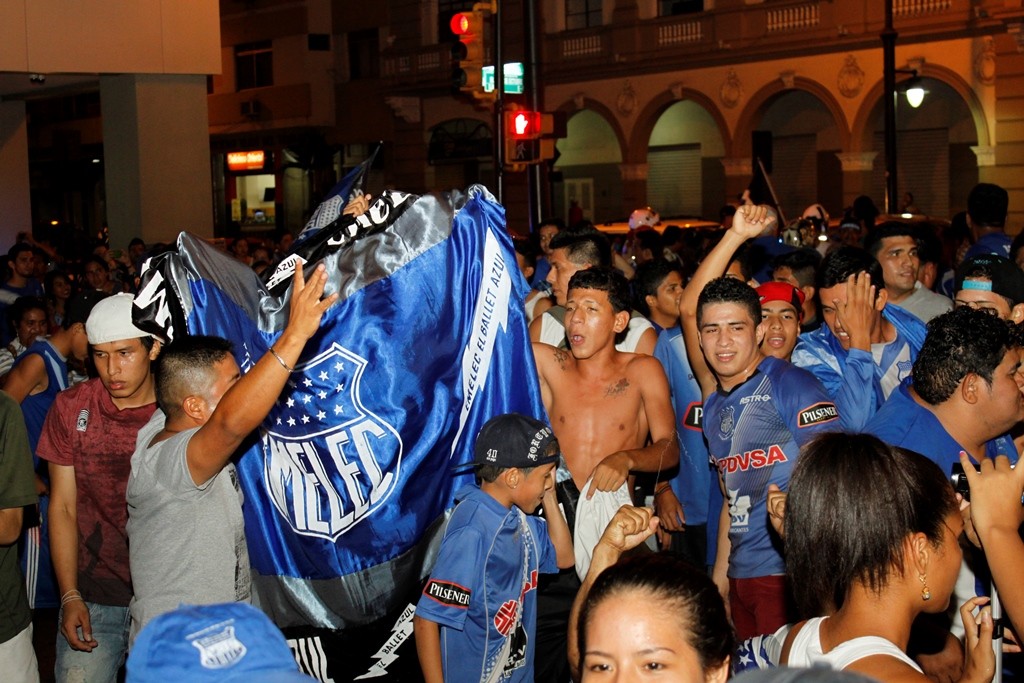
468,53
465,23
530,136
523,125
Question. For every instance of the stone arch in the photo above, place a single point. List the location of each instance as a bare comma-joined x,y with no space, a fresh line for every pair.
590,161
458,138
575,105
650,114
763,98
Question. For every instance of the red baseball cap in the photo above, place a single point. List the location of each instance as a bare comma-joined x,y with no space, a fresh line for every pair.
782,291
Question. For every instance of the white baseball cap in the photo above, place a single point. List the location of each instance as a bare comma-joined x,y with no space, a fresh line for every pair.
111,320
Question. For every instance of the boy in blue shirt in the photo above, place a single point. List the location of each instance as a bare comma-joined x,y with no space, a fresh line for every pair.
477,615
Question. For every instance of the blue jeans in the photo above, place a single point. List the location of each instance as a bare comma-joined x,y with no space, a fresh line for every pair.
109,629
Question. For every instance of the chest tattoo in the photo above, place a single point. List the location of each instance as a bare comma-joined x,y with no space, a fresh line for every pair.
618,388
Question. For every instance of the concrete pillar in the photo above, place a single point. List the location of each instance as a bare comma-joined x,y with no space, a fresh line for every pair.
857,168
15,204
1008,169
156,146
634,186
738,173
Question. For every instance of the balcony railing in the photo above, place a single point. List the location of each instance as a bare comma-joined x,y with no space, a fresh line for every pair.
582,46
736,32
680,32
913,8
793,18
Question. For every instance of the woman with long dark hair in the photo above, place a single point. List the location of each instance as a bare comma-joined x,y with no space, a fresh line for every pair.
872,540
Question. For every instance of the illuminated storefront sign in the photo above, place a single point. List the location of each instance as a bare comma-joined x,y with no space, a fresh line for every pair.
246,161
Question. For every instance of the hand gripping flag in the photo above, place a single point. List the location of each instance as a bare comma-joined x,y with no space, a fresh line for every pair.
349,477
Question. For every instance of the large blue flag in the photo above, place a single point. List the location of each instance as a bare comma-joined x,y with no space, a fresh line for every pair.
349,478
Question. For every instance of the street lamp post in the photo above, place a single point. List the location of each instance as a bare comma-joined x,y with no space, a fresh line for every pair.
889,98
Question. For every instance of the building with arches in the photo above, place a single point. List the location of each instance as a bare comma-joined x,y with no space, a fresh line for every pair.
665,101
667,104
802,81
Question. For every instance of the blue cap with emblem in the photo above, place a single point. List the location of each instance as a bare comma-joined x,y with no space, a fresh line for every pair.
226,642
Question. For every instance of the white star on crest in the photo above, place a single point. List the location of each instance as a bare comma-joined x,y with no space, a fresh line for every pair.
340,388
338,410
305,419
290,402
307,398
339,366
308,382
322,394
278,420
291,421
323,375
321,415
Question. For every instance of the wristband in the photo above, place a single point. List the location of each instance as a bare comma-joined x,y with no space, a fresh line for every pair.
70,596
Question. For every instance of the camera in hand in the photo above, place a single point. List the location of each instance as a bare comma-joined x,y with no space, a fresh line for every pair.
960,483
959,480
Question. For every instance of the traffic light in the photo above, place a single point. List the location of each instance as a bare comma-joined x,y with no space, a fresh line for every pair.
524,125
530,136
468,53
522,128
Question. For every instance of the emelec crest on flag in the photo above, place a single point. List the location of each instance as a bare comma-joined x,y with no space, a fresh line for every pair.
330,462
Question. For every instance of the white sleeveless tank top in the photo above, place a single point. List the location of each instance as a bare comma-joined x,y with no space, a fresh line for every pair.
805,650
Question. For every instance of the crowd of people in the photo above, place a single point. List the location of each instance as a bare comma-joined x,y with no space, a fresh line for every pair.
847,375
745,462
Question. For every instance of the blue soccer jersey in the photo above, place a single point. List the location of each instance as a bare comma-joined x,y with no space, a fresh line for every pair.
694,478
482,590
905,423
754,435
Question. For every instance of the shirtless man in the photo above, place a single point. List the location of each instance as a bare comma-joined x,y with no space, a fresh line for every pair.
602,404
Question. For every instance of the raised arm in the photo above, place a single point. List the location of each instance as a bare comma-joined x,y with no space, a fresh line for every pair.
247,402
630,527
996,513
747,224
